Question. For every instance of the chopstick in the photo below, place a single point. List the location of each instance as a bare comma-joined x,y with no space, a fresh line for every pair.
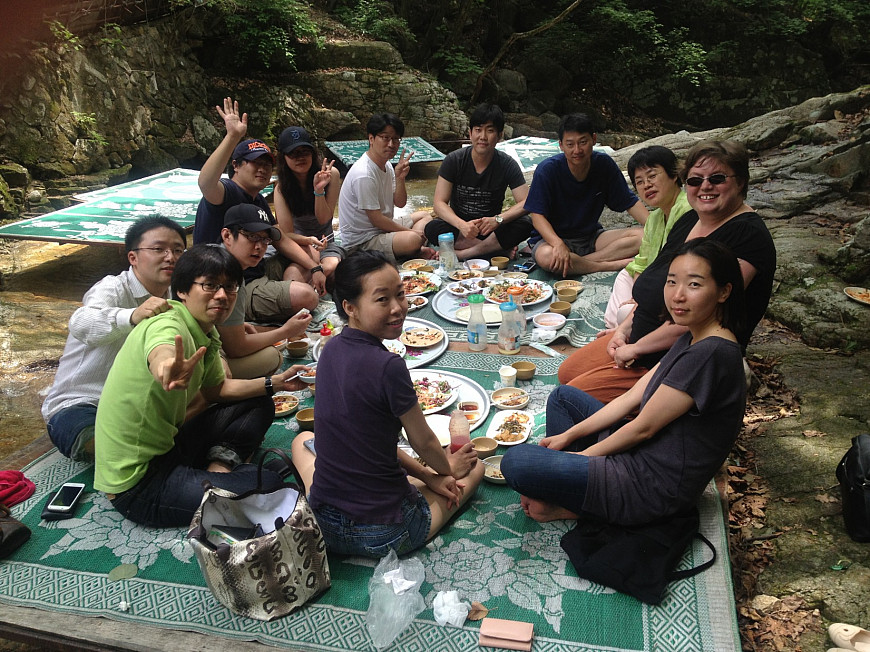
497,467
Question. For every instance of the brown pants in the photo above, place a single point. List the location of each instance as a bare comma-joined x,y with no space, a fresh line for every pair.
592,370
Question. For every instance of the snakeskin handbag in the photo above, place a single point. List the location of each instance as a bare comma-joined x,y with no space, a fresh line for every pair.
262,552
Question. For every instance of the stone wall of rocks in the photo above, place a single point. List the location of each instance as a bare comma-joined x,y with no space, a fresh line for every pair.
73,118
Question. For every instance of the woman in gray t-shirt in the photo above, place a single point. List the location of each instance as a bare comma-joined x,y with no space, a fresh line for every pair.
690,409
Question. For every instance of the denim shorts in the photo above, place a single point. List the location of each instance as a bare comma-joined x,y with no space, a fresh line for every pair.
344,536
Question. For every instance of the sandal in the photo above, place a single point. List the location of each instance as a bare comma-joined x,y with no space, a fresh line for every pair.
13,533
850,637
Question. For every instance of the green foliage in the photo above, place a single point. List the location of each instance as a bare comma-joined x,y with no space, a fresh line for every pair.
456,62
112,36
86,123
376,19
263,33
63,35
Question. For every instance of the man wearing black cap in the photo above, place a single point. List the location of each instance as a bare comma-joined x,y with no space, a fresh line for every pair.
250,354
252,164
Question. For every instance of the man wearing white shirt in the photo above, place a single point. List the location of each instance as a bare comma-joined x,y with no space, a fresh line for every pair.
110,310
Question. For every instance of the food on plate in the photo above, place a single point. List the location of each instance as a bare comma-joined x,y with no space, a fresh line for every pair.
532,292
418,284
513,399
284,403
417,263
463,274
493,473
513,428
417,302
421,336
859,294
308,373
432,393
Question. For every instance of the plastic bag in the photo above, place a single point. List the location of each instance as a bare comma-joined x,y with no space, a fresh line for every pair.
394,598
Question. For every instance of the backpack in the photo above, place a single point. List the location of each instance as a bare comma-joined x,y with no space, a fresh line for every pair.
853,472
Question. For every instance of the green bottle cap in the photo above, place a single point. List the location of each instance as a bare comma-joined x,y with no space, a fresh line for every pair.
475,298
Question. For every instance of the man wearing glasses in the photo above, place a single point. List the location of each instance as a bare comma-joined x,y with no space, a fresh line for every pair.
110,310
152,456
568,193
372,188
252,164
250,353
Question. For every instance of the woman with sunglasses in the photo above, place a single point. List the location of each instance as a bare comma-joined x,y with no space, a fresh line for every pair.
305,197
716,174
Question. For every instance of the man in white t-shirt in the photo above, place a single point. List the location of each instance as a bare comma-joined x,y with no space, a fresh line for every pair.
370,191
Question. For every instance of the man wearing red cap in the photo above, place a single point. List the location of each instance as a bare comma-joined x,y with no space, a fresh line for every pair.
252,164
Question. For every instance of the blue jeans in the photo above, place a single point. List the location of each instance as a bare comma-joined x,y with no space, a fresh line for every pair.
71,428
556,477
345,536
171,490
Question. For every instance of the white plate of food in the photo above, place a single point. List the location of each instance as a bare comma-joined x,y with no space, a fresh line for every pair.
464,288
308,375
417,302
510,427
476,264
533,291
520,275
861,295
464,274
416,283
285,403
569,284
421,337
434,391
395,346
416,263
510,398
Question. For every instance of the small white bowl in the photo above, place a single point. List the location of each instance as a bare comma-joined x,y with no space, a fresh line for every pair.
478,264
309,379
517,398
549,321
492,470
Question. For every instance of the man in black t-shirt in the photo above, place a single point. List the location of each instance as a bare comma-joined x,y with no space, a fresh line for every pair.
470,192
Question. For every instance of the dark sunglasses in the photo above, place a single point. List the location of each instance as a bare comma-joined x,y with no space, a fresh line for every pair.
714,179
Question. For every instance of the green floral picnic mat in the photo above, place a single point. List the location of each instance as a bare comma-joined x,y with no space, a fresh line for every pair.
490,553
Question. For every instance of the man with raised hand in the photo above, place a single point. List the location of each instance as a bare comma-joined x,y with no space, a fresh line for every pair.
252,164
372,188
470,191
151,459
250,352
110,310
569,191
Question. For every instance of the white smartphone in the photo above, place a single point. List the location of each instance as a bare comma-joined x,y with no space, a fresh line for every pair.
66,497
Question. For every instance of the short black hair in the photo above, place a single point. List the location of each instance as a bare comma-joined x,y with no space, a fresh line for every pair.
380,121
729,152
139,228
349,275
487,113
648,157
209,260
725,269
577,122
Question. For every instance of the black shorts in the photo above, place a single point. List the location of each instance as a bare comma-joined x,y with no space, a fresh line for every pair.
509,234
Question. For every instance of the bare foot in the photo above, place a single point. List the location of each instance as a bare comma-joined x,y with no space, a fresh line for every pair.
542,512
428,253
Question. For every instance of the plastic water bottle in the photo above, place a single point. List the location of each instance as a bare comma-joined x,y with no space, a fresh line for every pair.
509,331
460,432
446,254
516,296
476,323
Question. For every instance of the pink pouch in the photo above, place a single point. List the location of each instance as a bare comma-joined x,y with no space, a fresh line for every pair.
506,634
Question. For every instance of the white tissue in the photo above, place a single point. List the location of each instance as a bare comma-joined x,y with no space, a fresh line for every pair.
543,335
400,584
449,609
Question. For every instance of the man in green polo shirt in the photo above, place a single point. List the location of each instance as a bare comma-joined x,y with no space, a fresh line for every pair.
150,460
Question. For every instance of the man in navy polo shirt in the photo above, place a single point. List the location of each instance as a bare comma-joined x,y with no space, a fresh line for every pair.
569,191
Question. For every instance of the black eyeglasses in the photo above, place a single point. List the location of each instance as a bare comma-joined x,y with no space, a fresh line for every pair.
212,288
714,179
162,251
256,239
390,139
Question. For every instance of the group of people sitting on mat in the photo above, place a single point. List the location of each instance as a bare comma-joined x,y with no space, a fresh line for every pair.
167,376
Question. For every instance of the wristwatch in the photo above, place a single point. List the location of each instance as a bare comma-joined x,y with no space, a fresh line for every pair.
270,391
316,268
499,219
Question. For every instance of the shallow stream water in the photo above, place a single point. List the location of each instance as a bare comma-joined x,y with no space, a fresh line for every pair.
41,284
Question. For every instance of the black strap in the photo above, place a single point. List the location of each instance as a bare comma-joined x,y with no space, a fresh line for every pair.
300,484
689,572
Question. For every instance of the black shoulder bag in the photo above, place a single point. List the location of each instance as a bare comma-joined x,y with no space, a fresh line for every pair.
853,472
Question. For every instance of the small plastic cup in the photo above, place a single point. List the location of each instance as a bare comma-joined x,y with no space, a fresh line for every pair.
508,376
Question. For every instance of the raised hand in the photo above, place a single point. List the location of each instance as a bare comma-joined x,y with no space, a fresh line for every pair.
323,176
235,123
176,371
403,166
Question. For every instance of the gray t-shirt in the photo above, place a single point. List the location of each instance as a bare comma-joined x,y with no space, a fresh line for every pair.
668,472
237,316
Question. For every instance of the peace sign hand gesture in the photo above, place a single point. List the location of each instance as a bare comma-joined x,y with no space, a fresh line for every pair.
175,372
404,165
323,176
